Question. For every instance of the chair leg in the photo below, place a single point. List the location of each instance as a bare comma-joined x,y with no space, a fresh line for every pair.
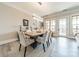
20,47
43,47
47,43
51,40
25,51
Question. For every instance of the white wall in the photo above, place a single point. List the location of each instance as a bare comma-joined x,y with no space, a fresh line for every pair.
10,18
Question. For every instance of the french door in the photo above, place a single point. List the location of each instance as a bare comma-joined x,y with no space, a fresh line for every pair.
57,26
53,25
62,27
75,24
50,25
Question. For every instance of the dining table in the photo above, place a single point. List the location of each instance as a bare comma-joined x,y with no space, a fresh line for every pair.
34,35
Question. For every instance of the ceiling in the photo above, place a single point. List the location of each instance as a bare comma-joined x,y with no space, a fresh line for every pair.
44,9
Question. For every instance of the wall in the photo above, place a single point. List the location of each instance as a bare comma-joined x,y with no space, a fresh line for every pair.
10,18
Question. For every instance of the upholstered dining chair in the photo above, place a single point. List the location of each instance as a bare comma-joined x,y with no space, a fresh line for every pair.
50,36
24,41
77,39
43,40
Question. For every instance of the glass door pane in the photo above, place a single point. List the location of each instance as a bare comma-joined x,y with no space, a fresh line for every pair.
53,25
75,24
62,27
47,25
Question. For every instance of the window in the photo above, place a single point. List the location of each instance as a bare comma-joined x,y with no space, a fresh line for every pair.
47,25
62,26
75,23
52,25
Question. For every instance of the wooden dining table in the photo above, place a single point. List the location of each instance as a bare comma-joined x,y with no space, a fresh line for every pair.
34,35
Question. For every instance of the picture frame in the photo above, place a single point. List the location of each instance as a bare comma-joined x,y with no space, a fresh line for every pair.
25,22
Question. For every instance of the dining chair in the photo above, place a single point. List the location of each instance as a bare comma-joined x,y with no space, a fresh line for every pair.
50,36
77,39
24,41
43,40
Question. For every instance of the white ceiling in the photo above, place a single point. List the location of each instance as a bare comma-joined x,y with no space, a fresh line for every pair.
44,9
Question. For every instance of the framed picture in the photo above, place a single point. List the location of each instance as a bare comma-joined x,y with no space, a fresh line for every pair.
25,22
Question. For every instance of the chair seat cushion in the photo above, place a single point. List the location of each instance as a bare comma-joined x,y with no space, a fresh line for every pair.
29,41
40,40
